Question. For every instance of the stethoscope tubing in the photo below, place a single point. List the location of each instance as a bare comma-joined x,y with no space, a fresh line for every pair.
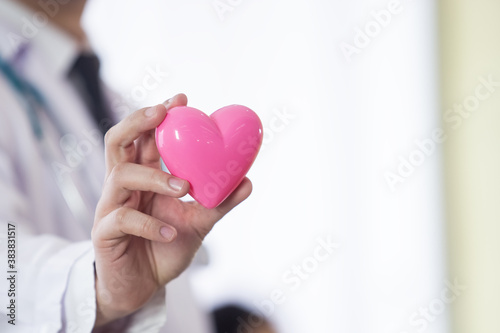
34,104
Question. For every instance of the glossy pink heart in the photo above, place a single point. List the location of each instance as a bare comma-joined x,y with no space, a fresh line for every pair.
213,153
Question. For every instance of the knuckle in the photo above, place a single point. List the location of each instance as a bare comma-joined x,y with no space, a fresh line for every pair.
120,215
97,234
109,136
94,232
159,177
117,172
145,228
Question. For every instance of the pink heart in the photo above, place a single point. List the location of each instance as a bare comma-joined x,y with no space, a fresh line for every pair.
212,153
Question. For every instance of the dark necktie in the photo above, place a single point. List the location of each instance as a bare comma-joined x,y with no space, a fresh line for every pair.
85,74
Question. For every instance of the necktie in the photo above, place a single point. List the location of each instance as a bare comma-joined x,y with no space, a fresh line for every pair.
85,74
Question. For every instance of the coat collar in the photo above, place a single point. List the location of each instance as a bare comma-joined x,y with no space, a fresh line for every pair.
24,30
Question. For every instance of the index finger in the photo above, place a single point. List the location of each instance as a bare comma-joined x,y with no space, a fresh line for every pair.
119,140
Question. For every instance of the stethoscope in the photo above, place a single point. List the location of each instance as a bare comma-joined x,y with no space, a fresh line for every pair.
31,97
35,104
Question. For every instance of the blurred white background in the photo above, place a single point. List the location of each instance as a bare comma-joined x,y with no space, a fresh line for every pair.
333,129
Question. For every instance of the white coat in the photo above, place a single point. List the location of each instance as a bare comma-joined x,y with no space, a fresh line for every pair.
54,289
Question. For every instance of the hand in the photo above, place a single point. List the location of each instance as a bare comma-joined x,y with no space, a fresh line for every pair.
143,235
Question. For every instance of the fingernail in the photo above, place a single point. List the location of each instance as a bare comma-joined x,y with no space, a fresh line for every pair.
168,102
175,184
167,233
150,112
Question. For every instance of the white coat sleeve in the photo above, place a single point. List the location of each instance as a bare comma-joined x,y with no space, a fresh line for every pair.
42,263
55,291
53,288
79,304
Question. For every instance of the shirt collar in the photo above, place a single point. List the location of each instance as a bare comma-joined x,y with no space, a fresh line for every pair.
24,32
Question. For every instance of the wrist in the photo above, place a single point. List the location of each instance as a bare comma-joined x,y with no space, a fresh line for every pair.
105,311
114,301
